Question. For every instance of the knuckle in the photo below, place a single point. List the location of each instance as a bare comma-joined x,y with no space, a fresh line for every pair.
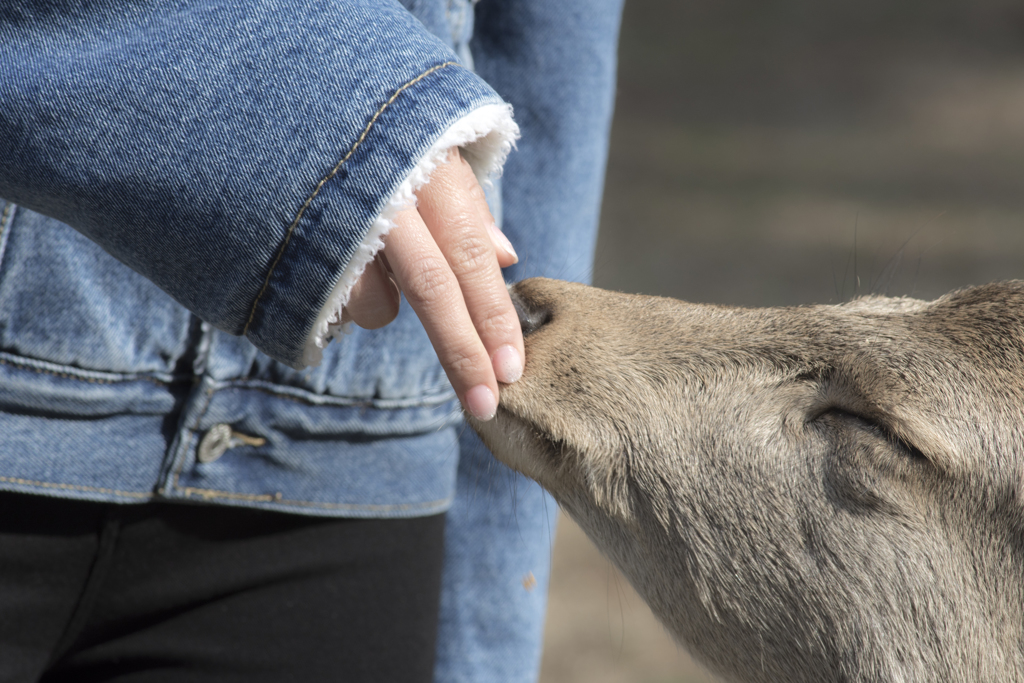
473,253
430,282
497,324
461,362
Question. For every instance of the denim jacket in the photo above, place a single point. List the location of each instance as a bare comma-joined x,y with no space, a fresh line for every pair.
185,184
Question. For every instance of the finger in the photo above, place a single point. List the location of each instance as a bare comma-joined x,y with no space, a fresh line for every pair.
452,205
433,291
502,247
375,298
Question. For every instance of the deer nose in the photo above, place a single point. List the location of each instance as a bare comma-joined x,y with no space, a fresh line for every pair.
532,316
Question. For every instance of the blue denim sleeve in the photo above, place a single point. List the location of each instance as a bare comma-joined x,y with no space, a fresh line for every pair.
554,61
233,153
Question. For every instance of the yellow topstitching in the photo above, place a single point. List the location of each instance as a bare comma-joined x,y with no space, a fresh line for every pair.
326,178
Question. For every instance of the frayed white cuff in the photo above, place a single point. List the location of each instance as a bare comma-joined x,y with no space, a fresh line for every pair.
486,136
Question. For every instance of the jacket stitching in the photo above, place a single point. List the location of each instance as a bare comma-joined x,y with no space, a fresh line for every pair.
325,400
277,498
90,380
214,493
326,178
73,487
431,401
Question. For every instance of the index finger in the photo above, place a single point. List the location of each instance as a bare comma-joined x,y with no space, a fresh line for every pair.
455,211
433,291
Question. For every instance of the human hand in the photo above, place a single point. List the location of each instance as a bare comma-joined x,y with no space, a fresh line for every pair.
446,255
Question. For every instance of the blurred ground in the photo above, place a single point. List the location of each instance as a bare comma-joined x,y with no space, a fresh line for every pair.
785,152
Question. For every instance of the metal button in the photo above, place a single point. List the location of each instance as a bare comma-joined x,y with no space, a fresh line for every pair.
216,440
220,438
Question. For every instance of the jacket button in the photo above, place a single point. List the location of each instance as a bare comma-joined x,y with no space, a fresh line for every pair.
216,440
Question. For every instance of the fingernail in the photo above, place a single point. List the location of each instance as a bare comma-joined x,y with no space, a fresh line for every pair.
481,402
508,366
501,242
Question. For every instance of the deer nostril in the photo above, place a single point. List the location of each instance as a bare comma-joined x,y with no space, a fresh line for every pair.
531,316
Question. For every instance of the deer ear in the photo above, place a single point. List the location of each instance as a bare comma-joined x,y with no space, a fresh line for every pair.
911,426
863,387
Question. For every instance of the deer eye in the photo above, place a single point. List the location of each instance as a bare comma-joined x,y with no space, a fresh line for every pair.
877,427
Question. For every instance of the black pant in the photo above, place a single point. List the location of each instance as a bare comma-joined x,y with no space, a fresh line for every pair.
168,592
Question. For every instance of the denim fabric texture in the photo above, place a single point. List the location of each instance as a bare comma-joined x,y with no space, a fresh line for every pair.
187,141
199,133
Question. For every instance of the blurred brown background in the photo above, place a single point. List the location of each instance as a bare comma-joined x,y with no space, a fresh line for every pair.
783,152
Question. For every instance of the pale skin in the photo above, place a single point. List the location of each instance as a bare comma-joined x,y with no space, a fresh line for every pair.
446,255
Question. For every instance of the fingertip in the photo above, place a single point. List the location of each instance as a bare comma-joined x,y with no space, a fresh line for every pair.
481,402
508,364
507,255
